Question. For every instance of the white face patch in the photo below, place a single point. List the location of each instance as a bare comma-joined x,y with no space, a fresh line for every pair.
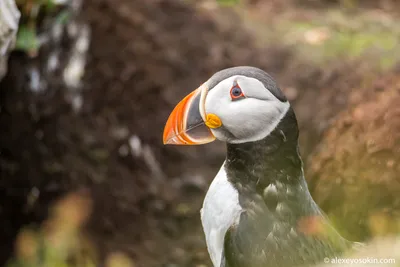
248,119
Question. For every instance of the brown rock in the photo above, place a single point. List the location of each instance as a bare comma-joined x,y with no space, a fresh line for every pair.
354,174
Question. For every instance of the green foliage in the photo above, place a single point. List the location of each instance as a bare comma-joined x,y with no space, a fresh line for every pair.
228,2
48,4
33,11
27,39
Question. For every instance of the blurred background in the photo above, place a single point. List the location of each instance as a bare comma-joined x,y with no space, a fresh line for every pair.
87,86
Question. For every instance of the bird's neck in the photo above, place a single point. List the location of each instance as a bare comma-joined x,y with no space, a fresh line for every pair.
273,162
275,158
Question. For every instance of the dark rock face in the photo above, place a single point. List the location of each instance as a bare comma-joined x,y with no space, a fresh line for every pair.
354,174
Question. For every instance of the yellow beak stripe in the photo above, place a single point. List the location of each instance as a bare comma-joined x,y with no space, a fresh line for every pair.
212,121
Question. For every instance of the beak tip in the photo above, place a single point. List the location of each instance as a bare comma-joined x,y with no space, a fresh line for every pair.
166,139
173,141
169,137
167,142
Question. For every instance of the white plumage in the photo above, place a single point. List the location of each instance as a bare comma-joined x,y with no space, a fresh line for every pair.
220,210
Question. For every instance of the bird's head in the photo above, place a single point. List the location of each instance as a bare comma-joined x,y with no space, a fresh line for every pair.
236,105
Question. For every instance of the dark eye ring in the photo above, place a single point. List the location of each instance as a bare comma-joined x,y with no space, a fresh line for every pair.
236,92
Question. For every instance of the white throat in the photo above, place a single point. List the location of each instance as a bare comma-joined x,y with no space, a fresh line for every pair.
269,123
221,209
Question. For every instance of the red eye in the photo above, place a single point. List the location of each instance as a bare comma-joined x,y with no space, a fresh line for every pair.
236,92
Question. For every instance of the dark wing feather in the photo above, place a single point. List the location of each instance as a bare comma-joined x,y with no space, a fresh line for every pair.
263,240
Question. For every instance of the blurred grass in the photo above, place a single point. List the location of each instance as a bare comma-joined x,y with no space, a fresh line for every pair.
227,2
338,34
61,241
321,36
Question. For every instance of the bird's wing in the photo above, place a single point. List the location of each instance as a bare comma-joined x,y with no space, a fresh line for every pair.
261,239
245,243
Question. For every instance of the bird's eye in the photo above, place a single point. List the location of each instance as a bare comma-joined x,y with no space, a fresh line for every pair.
236,92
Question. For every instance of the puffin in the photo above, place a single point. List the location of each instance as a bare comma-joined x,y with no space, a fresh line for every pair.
258,211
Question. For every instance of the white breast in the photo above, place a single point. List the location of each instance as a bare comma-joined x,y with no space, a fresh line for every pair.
220,210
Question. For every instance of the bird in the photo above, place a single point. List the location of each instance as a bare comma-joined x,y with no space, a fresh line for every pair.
258,211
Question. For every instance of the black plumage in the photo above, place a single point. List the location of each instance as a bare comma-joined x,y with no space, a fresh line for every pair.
281,225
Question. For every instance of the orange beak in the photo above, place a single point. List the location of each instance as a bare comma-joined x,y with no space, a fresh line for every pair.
185,125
